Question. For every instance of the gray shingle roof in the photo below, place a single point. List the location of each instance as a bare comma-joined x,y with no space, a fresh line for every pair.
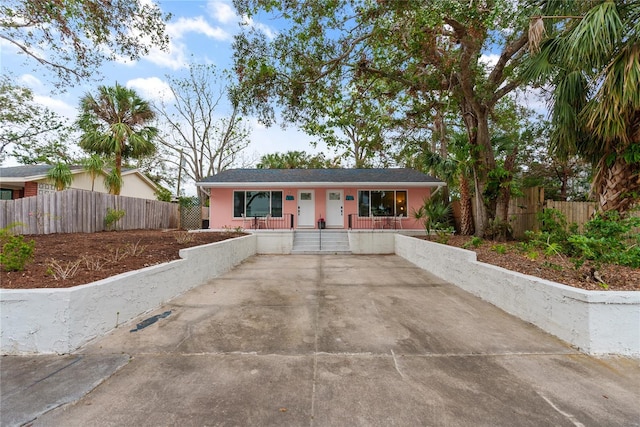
28,171
319,176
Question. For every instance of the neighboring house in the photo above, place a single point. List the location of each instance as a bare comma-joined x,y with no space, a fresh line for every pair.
299,198
30,180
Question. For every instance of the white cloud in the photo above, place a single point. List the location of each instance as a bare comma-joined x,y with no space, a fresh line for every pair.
151,88
489,60
175,57
222,11
533,98
57,106
179,28
30,81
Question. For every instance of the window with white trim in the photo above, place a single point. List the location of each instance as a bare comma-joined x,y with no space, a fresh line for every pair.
382,203
257,203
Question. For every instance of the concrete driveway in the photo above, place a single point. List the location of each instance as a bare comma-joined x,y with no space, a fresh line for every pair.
323,340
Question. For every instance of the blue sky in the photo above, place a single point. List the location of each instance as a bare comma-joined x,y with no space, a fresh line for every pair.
200,31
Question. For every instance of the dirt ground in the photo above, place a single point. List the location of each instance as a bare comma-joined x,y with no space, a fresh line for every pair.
100,255
65,260
556,268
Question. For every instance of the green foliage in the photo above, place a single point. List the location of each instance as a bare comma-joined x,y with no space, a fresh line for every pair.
163,194
296,160
553,222
187,202
115,124
607,238
31,133
78,36
16,253
434,214
113,216
475,241
499,249
60,175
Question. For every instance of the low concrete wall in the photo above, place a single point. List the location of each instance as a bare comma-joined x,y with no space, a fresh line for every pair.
376,241
62,320
596,322
274,241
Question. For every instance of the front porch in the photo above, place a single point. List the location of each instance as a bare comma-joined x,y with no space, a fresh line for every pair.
354,222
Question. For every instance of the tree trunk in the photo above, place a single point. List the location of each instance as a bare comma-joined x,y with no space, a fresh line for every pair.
466,213
616,184
477,125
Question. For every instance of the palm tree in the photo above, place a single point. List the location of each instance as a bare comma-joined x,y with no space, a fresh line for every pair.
114,123
456,170
60,175
94,165
592,59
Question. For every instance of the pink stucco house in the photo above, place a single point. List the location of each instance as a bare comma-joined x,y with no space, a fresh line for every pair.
312,198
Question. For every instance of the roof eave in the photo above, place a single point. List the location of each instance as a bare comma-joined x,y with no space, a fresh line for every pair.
324,184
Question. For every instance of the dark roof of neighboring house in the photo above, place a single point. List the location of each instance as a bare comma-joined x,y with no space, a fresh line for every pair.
319,177
28,171
16,174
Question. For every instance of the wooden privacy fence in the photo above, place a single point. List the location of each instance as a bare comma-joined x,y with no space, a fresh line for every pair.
80,211
523,211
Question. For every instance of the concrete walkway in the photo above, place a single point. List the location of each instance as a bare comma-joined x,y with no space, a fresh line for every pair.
311,340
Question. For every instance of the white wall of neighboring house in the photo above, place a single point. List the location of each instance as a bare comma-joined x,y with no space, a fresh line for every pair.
134,185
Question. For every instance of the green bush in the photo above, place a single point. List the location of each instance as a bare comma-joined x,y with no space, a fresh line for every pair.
16,253
113,216
607,238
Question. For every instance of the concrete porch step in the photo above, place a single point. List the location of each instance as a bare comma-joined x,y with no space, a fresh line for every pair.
319,242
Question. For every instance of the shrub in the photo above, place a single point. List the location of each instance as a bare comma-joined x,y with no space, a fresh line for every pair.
113,216
475,241
16,253
500,249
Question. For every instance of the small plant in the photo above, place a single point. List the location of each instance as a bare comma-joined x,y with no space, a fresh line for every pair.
434,215
533,255
115,255
134,249
94,263
113,216
499,249
61,271
475,241
16,253
183,237
443,235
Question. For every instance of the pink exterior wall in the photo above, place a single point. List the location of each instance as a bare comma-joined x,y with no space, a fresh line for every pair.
221,204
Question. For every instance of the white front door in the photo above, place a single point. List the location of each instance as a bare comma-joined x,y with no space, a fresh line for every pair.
335,209
306,209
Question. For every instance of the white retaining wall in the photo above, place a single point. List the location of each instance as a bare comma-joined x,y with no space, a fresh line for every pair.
596,322
274,241
376,241
62,320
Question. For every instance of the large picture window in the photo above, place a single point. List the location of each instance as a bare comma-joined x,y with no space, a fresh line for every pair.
382,202
257,203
